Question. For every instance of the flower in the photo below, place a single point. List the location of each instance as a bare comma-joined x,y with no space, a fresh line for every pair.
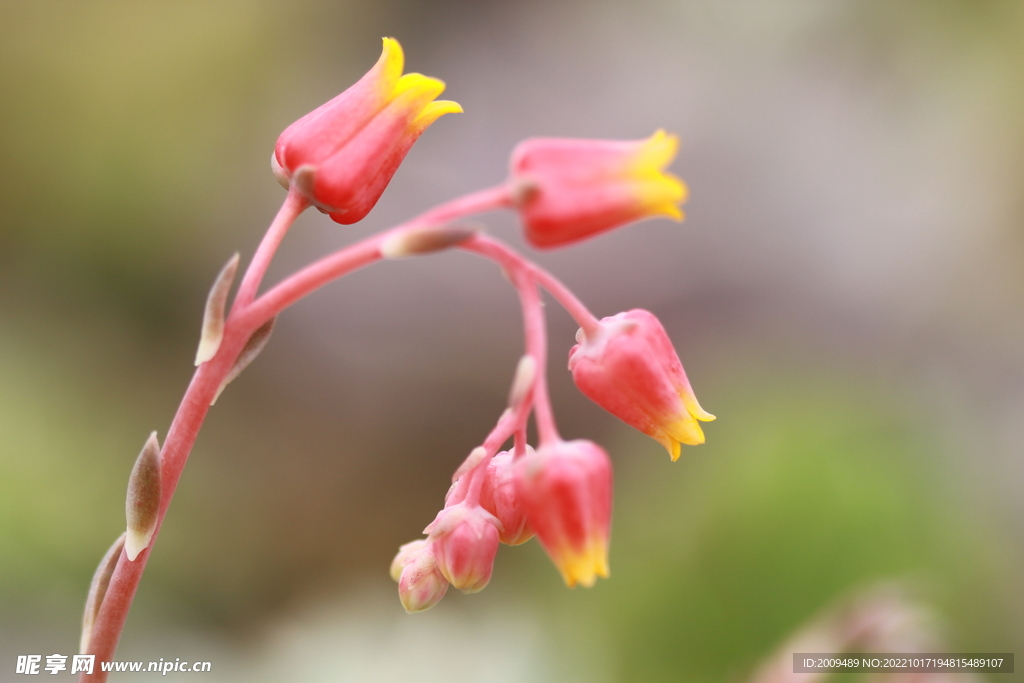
566,488
343,154
629,368
420,584
568,190
465,541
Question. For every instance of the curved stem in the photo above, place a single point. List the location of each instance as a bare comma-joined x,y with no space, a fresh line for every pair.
177,445
364,252
247,314
294,204
512,262
537,346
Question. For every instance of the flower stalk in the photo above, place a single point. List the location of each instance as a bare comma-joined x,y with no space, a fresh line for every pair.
338,159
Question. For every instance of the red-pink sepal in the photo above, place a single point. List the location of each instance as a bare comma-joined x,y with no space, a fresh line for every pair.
568,190
465,540
629,368
566,489
343,154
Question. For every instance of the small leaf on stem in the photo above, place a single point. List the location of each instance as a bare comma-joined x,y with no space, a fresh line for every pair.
97,590
213,317
142,505
474,458
526,373
416,241
252,348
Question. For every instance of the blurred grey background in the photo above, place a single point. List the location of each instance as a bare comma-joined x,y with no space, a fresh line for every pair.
846,294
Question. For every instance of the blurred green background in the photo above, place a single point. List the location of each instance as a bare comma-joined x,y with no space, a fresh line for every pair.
847,295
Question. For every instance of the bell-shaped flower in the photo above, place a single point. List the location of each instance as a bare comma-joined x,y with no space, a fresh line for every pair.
420,584
629,368
465,541
568,190
343,154
566,488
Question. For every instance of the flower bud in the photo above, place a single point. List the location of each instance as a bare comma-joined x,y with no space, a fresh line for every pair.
343,154
406,554
420,584
498,496
566,489
630,369
465,541
568,190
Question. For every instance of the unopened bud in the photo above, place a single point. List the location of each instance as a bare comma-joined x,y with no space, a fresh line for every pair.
406,554
142,505
526,372
420,583
498,495
465,541
97,591
415,241
213,316
252,348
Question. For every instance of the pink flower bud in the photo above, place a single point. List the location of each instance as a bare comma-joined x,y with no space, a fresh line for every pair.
569,190
343,154
420,584
566,489
630,369
498,496
465,541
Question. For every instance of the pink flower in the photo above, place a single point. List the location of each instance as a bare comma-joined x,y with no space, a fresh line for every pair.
630,369
566,488
420,584
569,190
465,541
343,154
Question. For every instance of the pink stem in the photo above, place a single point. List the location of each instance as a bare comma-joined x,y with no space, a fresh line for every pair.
537,346
293,205
499,435
512,261
246,316
344,261
177,445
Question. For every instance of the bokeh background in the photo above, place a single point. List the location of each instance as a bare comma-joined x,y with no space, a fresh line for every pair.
847,294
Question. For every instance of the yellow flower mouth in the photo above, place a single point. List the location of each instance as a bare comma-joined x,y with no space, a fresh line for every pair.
585,565
413,89
660,193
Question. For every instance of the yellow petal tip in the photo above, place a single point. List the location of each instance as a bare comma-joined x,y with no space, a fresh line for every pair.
674,450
